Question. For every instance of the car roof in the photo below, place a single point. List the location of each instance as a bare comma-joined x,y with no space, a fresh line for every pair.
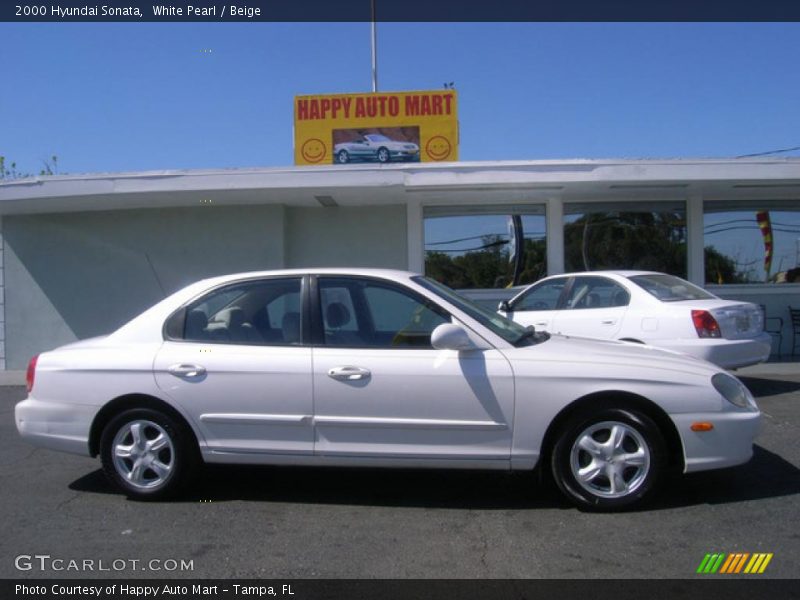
616,272
394,274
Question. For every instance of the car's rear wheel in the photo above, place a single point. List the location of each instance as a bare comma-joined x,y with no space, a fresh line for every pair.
608,460
383,155
342,157
147,453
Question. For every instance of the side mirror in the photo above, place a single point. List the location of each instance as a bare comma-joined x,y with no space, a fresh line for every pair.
504,306
451,337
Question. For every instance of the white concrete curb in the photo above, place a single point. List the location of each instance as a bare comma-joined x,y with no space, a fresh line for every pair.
12,377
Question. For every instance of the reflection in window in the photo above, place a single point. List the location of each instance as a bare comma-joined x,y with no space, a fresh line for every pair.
543,296
387,316
474,247
751,242
641,236
596,292
254,313
670,289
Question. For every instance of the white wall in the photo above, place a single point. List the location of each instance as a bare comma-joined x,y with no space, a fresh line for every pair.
76,275
373,236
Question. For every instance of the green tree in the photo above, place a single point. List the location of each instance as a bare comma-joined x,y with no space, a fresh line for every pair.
8,170
721,268
653,241
488,267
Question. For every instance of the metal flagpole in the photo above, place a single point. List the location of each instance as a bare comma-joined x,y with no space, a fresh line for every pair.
374,50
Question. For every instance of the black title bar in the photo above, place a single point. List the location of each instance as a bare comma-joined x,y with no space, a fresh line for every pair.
138,11
707,588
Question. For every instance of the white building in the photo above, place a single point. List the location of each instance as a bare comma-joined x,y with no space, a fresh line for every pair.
82,254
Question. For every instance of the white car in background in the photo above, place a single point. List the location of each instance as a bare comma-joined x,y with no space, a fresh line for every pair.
648,308
374,368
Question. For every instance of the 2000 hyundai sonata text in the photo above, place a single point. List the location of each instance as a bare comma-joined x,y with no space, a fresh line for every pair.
364,367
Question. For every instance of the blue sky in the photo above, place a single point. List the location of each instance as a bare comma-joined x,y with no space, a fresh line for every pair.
120,97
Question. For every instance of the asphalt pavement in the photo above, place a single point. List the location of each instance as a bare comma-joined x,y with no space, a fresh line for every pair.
271,522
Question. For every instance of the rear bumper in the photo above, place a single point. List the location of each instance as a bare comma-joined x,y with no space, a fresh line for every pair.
728,354
730,443
55,425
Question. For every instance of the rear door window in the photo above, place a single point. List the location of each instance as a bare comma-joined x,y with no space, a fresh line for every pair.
596,292
266,312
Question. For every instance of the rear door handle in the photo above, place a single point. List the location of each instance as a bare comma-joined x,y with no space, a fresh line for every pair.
348,373
608,322
188,371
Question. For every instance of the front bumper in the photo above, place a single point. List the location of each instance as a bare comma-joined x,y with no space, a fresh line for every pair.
730,443
404,154
55,425
728,354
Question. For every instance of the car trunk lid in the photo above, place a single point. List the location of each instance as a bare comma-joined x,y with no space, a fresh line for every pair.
739,321
736,320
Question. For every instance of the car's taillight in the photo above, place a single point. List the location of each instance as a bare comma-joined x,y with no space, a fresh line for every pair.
705,324
31,374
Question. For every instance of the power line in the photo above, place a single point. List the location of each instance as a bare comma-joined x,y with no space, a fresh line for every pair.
769,152
778,229
751,221
529,235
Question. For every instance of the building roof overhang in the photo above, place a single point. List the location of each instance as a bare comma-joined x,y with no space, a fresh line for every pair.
431,183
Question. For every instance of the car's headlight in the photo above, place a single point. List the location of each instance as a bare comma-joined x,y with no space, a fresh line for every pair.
734,391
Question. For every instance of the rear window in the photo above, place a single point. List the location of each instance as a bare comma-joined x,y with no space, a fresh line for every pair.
669,288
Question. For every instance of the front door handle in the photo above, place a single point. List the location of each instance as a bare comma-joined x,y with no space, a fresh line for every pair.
348,373
184,370
608,322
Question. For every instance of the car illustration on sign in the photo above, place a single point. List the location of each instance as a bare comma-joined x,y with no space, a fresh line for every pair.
377,368
375,147
648,308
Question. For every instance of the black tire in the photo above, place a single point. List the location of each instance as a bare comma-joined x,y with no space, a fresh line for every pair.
163,442
617,475
342,157
383,155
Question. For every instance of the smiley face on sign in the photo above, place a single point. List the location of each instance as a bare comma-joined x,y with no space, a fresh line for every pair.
438,147
313,150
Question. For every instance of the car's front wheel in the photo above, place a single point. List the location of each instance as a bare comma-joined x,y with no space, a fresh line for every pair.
147,453
608,460
383,155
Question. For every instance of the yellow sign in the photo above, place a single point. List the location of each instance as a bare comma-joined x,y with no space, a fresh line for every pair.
376,128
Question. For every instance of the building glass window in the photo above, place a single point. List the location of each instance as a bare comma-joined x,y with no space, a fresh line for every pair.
648,236
476,247
752,241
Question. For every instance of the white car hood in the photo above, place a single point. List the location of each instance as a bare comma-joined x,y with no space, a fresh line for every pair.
612,357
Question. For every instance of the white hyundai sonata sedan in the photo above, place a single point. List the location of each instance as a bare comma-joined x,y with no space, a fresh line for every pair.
359,367
648,308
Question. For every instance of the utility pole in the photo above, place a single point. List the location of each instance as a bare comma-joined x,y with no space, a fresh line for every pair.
374,50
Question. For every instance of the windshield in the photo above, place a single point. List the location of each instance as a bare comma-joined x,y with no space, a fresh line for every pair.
669,288
376,137
512,332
